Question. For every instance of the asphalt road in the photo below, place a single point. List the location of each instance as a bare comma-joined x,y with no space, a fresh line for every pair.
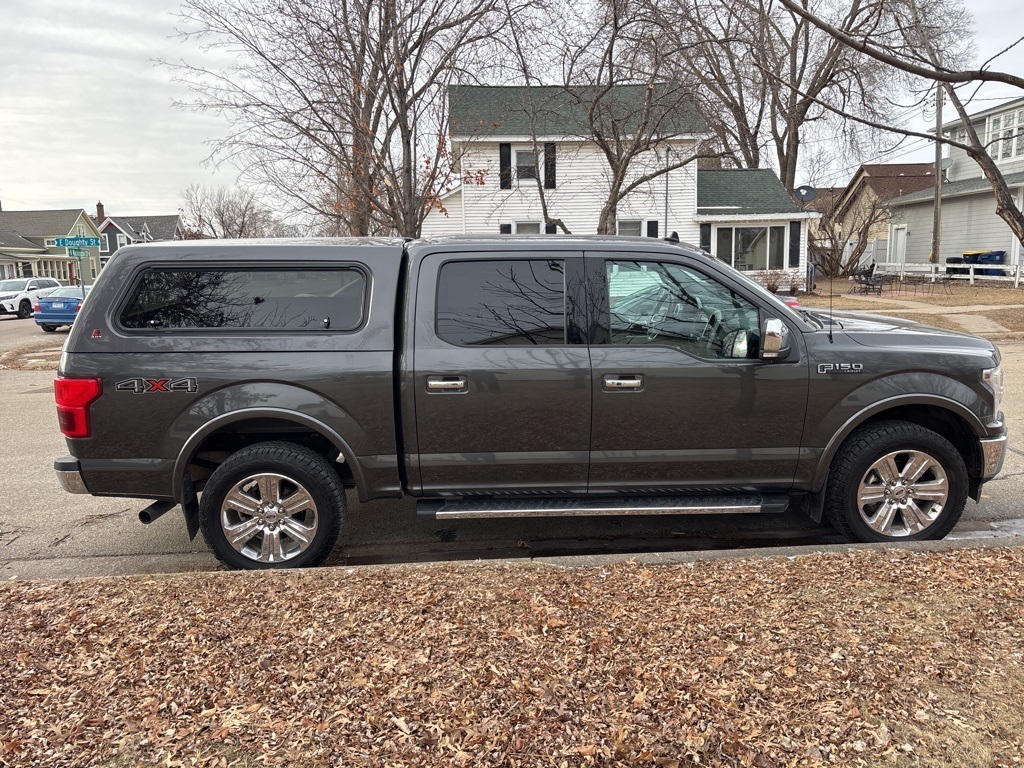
45,532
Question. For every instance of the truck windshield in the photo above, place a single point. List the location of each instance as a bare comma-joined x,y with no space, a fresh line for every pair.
13,285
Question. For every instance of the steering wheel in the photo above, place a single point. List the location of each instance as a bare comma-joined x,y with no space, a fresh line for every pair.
654,325
712,330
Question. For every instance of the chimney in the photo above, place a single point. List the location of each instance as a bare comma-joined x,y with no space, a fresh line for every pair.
99,212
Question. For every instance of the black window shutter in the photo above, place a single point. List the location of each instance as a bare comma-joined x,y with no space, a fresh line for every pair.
549,166
504,229
652,228
705,237
794,243
550,229
505,171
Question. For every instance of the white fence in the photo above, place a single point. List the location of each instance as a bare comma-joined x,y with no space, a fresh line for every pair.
1008,273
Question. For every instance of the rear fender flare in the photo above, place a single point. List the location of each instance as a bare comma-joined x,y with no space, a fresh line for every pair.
195,440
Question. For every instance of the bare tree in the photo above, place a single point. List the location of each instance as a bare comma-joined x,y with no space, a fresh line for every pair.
338,105
914,38
762,73
614,93
840,238
225,212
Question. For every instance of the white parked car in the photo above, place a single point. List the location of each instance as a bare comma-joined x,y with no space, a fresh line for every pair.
17,297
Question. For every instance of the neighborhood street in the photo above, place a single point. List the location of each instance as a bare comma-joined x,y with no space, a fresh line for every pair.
45,532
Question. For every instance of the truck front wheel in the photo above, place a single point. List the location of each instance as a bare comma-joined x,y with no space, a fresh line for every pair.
272,505
896,481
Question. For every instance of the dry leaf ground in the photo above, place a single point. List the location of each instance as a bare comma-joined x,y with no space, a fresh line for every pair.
864,658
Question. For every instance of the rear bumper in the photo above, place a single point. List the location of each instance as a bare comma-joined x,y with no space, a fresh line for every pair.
69,474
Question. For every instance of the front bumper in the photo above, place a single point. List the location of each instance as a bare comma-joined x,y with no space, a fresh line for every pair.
69,474
993,451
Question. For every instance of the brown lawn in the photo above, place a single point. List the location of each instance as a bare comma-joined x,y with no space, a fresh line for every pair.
868,658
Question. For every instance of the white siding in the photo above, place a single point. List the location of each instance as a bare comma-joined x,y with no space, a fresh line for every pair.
447,221
582,185
963,167
969,223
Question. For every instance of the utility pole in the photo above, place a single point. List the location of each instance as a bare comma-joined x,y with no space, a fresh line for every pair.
937,220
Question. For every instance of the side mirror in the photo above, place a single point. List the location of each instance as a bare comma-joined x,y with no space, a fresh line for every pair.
774,339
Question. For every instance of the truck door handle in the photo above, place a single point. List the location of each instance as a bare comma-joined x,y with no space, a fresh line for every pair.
447,384
631,382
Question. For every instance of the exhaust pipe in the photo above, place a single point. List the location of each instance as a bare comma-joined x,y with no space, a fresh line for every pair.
155,510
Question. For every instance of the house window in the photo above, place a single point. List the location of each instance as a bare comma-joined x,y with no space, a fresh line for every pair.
528,228
81,230
631,227
50,242
122,240
526,164
105,243
1006,136
751,248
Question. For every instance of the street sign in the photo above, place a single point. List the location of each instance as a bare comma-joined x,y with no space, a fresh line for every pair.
78,242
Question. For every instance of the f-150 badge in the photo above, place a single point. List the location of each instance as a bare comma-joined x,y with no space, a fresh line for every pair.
840,368
145,386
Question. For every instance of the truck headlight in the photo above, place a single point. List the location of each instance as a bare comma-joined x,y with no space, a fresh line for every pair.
993,379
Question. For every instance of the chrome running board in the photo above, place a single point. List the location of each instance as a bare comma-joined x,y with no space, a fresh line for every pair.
583,507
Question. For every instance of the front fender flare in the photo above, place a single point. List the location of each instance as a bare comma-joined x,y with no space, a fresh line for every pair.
955,407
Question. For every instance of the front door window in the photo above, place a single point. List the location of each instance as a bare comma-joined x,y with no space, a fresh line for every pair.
673,305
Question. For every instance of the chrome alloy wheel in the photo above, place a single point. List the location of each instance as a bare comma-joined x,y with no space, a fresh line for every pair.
902,493
269,518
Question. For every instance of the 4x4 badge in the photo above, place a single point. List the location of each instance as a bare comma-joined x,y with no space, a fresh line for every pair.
145,386
840,368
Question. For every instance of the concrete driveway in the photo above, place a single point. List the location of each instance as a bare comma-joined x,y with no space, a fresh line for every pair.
45,532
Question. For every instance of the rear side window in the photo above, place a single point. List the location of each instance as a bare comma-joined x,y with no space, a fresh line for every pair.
502,303
314,299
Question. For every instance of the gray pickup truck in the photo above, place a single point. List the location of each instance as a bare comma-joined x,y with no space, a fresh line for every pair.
253,382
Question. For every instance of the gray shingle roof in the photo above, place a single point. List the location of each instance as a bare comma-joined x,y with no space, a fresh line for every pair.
964,186
555,110
40,223
160,227
737,192
14,241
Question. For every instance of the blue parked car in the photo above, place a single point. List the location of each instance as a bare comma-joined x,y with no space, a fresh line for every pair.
60,307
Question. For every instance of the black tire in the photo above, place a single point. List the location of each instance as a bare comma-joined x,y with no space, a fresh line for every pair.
24,309
299,467
868,446
47,327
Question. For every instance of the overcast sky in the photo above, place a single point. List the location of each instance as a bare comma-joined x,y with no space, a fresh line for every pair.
86,116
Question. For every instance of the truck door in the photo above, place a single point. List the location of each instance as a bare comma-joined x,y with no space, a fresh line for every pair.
681,400
501,373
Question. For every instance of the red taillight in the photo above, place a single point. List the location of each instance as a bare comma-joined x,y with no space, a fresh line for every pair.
74,396
35,307
78,306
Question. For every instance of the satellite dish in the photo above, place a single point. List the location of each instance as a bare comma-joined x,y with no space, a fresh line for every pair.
946,162
806,193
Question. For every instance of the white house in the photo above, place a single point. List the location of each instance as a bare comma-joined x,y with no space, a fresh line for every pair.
518,146
969,220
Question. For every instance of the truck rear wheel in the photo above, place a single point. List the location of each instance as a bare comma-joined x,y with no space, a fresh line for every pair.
896,481
272,505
